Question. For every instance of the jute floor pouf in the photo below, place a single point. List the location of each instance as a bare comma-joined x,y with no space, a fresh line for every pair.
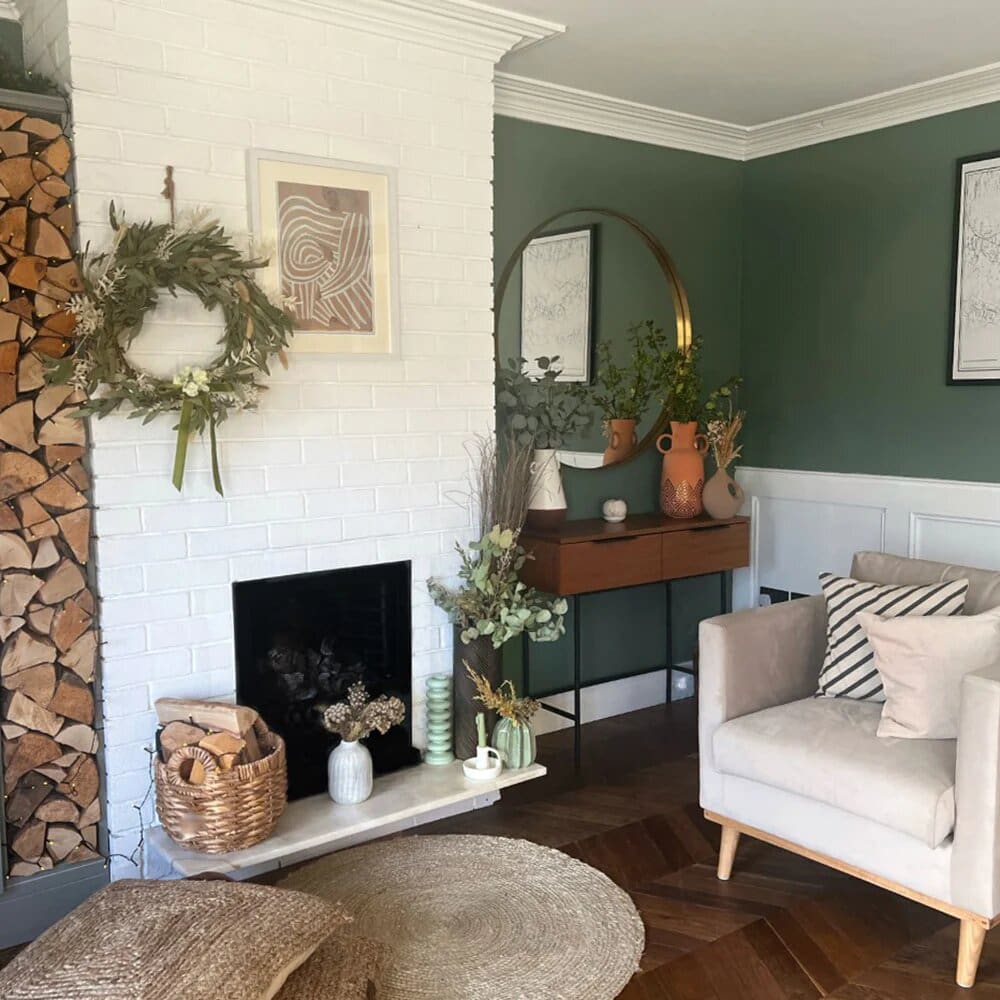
483,918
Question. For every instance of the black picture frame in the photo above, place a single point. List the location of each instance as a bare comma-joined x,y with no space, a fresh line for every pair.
951,375
587,376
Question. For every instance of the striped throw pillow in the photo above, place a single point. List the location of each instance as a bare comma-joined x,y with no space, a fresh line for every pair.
849,666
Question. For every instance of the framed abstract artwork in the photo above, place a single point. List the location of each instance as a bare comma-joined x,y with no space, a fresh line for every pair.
330,230
557,301
974,350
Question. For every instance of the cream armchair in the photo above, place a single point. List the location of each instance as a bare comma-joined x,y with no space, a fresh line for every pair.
918,817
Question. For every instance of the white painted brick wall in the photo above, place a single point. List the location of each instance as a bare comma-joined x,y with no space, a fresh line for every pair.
346,462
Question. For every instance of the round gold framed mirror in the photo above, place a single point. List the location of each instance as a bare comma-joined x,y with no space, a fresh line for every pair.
573,287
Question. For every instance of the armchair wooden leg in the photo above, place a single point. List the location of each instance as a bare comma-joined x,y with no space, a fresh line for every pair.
970,947
727,851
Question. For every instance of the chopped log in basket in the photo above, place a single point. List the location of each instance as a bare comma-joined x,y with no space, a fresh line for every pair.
221,778
47,628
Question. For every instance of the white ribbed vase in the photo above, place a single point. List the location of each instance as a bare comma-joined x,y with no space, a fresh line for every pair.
349,773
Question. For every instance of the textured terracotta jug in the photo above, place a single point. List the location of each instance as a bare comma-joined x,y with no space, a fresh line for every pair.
621,441
683,477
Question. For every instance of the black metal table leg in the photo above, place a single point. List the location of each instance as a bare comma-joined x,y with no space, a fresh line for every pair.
724,595
668,617
576,682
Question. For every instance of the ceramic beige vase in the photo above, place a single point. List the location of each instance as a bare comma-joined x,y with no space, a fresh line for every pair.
622,440
547,502
683,477
723,496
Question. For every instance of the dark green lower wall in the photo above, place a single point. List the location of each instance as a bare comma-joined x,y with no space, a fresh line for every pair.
693,204
847,285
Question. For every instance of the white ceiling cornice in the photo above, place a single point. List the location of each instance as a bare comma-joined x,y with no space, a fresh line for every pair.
456,25
8,11
552,104
894,107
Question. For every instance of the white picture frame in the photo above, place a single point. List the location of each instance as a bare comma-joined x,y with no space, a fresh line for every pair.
330,229
974,353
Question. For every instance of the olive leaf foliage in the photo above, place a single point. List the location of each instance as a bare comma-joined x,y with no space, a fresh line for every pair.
492,602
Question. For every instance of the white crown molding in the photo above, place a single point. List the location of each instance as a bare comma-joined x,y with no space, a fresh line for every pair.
455,25
553,104
9,11
893,107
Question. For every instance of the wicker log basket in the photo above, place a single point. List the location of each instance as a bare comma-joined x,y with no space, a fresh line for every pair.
229,810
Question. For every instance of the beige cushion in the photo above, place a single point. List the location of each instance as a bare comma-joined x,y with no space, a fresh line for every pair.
922,662
880,567
344,967
826,749
163,940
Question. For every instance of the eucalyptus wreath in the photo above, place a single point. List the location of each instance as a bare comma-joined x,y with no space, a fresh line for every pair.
123,284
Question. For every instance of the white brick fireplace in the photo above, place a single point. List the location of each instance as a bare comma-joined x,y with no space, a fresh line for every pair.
346,462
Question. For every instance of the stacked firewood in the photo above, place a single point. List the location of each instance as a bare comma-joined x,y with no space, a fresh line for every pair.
47,609
228,733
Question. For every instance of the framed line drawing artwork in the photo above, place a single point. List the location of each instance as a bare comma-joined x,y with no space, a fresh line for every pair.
330,228
974,349
557,301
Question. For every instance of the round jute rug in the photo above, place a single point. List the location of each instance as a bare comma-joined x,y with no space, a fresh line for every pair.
483,918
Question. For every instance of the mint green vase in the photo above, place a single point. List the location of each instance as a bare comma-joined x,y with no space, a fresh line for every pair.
515,742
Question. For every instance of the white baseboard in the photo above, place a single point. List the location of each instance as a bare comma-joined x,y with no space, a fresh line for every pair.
602,701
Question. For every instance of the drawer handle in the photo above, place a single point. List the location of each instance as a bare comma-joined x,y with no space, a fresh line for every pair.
615,538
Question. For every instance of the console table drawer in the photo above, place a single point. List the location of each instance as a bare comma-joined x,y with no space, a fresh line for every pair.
707,550
617,562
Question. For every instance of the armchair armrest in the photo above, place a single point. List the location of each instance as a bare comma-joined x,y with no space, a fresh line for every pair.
975,869
753,660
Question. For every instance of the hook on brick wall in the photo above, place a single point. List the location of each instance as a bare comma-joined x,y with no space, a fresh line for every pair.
169,191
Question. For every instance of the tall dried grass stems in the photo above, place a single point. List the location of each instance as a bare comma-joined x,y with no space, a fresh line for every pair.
500,481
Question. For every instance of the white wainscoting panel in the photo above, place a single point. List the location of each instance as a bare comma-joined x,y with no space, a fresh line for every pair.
807,522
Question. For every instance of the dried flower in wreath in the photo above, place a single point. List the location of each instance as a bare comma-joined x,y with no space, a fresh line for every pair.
360,716
504,700
122,285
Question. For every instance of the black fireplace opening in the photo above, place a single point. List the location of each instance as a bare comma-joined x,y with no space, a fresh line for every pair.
303,640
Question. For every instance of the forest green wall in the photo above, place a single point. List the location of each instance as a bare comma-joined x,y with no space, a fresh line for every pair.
693,203
847,284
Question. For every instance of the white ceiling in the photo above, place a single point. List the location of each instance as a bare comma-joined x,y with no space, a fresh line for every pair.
749,62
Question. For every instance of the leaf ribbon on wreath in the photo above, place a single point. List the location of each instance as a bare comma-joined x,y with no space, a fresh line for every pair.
183,436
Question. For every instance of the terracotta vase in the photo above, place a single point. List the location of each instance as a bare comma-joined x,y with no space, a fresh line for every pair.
723,496
547,502
683,477
622,440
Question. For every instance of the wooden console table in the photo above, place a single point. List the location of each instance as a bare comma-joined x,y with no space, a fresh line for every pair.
585,557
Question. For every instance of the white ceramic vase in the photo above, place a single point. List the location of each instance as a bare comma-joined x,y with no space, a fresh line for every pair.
349,773
547,494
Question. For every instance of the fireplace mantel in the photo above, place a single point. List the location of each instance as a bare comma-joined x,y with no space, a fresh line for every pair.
315,825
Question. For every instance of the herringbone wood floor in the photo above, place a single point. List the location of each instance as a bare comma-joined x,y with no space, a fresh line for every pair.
781,929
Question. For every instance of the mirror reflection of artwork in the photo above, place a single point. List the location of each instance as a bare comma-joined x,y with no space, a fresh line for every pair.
557,282
325,257
330,230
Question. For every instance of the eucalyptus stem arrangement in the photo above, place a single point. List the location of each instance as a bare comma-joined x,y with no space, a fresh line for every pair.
540,412
492,603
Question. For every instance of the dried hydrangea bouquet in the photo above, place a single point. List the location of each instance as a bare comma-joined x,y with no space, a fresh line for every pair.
349,768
